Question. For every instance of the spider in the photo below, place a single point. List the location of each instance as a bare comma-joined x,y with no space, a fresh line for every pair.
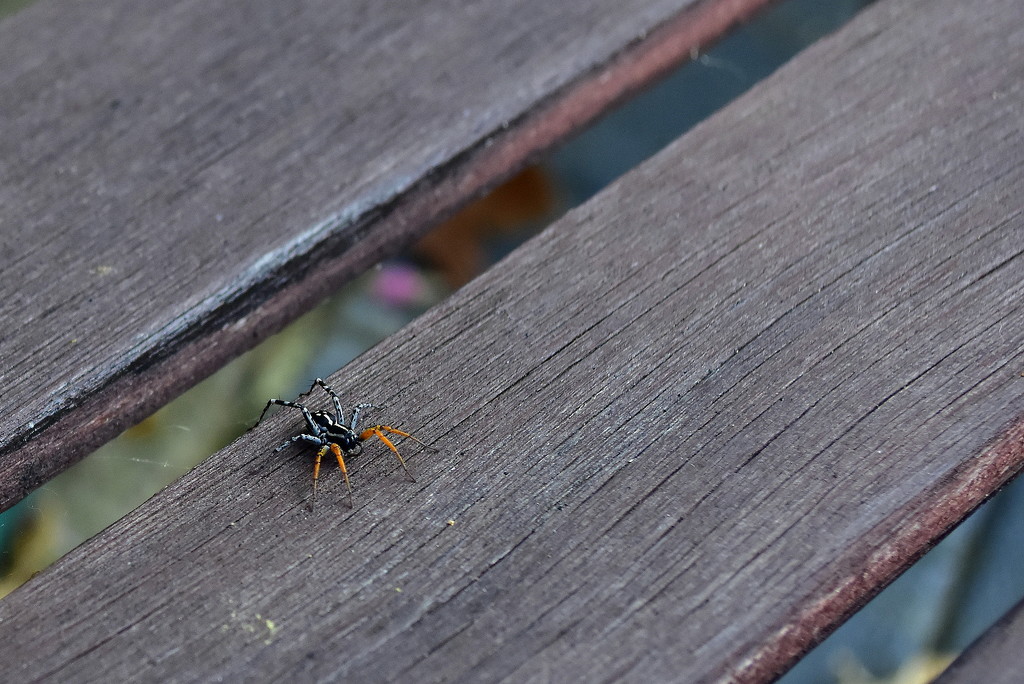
327,431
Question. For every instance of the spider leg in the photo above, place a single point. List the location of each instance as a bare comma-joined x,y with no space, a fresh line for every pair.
316,473
270,403
335,399
310,423
379,431
305,439
357,412
336,450
392,430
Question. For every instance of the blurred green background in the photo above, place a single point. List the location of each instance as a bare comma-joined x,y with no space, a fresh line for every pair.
907,634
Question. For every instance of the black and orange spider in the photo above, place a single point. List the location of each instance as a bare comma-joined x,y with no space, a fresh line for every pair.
329,431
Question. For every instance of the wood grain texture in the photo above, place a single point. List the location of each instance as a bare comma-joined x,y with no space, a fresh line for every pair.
683,433
994,658
177,181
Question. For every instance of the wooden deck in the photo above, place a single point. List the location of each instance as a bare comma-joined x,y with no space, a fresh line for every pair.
214,183
682,434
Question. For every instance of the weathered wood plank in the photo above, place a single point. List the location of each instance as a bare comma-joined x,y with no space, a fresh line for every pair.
995,657
179,180
682,433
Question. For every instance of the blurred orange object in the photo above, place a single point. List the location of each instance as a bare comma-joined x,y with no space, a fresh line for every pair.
457,247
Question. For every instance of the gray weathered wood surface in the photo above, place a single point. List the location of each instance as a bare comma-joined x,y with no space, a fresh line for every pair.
682,433
178,180
995,657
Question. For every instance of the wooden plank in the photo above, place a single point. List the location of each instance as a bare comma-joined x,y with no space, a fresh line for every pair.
179,180
995,657
683,433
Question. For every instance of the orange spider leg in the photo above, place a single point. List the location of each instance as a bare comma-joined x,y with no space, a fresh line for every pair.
399,432
379,430
336,450
316,472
